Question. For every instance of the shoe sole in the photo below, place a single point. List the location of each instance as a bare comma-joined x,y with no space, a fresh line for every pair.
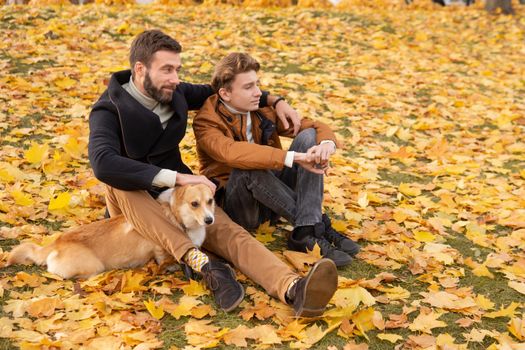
236,303
321,284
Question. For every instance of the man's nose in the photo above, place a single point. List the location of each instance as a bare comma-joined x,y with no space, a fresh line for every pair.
174,79
258,91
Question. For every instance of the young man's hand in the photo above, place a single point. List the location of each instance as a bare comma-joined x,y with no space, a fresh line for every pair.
308,164
285,112
320,154
187,179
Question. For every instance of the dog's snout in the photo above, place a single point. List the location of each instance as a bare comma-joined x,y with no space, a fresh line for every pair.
208,220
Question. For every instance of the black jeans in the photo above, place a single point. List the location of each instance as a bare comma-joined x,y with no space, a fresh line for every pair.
293,193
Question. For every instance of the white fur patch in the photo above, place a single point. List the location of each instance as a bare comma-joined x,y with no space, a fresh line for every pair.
165,196
52,263
197,235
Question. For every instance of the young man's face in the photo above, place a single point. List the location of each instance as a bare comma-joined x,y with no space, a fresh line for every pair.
244,94
161,78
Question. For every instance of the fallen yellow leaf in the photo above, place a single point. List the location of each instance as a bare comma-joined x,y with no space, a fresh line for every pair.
157,312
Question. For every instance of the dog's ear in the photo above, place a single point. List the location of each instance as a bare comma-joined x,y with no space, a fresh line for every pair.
178,194
165,196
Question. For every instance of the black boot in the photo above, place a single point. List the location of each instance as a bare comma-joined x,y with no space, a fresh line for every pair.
188,272
305,238
340,241
311,294
220,279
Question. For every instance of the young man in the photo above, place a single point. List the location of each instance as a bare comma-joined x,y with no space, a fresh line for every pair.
135,130
239,149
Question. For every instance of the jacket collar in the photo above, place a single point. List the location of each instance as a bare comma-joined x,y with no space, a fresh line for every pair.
141,128
262,128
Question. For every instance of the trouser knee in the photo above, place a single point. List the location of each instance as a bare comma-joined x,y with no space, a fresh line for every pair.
247,177
304,140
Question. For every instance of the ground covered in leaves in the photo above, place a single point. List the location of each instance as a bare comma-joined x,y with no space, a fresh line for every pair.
429,103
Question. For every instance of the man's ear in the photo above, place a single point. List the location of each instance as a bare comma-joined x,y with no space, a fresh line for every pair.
225,94
139,69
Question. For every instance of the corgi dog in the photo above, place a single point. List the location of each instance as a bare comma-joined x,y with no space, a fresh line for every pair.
191,207
114,244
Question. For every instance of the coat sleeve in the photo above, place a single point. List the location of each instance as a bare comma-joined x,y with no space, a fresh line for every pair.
323,131
105,155
235,154
196,94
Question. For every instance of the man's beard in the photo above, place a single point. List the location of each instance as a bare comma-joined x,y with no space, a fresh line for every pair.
156,93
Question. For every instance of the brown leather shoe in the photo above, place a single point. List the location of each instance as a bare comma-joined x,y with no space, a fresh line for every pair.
220,279
312,293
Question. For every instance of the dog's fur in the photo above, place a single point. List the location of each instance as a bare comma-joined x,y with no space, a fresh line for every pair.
113,243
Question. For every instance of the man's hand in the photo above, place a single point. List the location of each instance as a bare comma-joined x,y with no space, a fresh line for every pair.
308,164
320,154
285,112
187,179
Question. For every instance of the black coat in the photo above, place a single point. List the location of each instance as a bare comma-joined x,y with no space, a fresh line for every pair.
127,145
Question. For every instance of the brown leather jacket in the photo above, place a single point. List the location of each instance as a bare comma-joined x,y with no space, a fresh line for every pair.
222,144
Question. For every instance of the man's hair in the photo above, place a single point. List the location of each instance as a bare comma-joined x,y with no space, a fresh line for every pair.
231,65
147,43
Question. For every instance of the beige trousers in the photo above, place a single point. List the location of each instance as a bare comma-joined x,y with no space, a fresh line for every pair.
224,238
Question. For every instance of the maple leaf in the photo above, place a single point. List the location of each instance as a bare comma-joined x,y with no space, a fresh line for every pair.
352,297
132,281
36,153
484,302
355,346
394,293
477,335
6,327
424,236
362,199
393,338
315,253
264,233
202,311
363,321
238,336
517,327
65,83
301,260
421,341
260,310
448,301
509,311
409,190
184,307
293,329
426,321
155,311
519,286
22,198
194,288
266,335
10,173
310,336
61,201
74,148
